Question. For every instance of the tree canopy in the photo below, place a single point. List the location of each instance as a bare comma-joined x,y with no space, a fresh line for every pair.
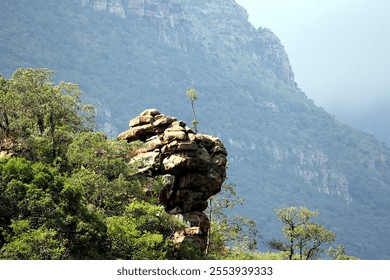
304,237
44,115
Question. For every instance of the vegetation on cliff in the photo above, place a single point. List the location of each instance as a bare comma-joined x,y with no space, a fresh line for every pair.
67,192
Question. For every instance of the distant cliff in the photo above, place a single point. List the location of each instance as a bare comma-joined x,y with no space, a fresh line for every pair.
182,22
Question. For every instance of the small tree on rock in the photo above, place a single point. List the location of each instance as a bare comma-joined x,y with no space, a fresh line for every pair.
193,96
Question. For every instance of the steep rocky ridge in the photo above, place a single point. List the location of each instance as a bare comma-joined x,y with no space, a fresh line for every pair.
182,22
192,166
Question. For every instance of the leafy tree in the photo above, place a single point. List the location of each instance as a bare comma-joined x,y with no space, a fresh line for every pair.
304,237
193,96
142,232
28,243
50,208
92,151
236,233
27,191
188,250
82,226
339,254
47,116
100,170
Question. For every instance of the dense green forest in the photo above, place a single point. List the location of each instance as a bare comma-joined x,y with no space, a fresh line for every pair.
67,192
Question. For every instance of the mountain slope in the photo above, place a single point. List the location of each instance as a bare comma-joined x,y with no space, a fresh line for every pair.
283,149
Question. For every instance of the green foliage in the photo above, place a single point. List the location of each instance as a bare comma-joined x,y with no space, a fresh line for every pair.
142,232
36,194
27,190
102,173
254,256
45,115
189,250
304,237
129,243
230,233
339,254
92,151
16,169
32,244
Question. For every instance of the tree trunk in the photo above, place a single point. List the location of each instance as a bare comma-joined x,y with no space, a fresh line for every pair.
4,126
292,242
52,134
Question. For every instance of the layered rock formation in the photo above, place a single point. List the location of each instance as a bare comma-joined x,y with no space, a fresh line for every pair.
193,167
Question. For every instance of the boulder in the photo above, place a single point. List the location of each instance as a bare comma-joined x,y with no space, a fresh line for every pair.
146,119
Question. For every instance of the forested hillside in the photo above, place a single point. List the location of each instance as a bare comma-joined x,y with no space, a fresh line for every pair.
283,149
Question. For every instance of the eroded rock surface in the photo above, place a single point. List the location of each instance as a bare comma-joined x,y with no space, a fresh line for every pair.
193,167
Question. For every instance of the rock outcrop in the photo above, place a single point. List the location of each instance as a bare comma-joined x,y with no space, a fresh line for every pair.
193,168
12,148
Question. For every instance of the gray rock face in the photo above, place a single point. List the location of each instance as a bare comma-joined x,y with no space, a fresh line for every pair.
273,55
193,167
180,23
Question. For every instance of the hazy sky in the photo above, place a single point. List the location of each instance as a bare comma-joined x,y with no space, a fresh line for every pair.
339,49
